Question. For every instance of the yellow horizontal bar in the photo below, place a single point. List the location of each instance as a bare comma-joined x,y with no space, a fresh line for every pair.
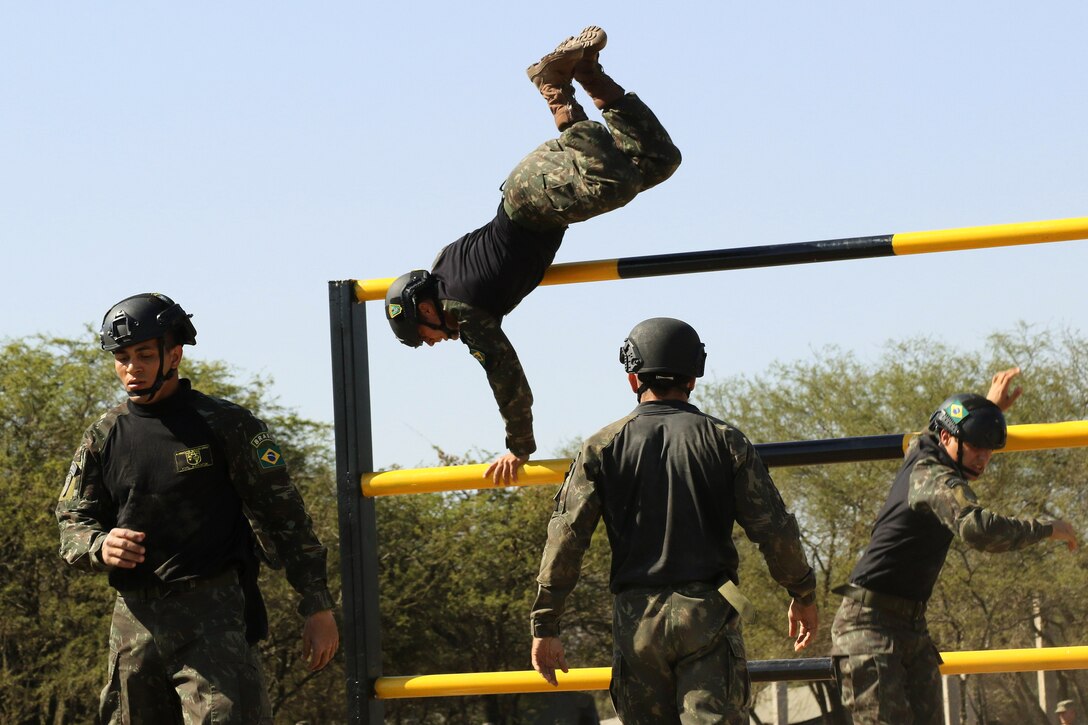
996,235
457,478
1031,437
598,678
372,289
1042,436
489,683
570,272
1014,660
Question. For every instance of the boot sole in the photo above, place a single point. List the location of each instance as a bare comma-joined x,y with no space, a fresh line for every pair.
592,39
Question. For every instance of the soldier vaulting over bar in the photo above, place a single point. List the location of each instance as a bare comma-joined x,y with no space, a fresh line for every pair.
588,170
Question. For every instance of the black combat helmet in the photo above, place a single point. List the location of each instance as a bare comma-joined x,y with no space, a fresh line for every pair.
663,345
143,317
401,299
973,419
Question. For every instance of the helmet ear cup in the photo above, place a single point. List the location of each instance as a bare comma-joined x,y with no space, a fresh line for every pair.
663,345
142,317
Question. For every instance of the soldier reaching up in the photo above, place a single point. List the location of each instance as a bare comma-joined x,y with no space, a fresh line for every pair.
884,657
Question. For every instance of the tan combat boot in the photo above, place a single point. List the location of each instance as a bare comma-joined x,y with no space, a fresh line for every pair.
553,74
591,76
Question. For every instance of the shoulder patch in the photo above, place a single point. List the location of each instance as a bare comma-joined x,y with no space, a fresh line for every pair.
394,310
72,480
479,355
267,451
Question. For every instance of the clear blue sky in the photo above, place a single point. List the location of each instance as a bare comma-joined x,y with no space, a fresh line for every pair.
240,155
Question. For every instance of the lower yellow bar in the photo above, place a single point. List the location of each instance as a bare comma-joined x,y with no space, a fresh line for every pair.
1014,660
598,678
996,235
457,478
489,683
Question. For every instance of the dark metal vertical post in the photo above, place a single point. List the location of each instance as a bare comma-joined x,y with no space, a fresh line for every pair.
358,530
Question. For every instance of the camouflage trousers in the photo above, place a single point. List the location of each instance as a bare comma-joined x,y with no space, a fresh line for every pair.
183,658
887,667
678,657
591,169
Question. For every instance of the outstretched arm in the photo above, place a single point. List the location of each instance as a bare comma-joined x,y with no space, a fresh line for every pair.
1000,394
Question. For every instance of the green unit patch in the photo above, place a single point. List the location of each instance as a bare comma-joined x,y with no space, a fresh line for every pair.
394,310
193,458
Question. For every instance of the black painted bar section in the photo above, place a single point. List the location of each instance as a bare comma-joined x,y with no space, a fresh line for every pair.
832,450
805,669
772,255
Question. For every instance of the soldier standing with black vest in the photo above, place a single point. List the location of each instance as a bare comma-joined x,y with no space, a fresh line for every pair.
886,662
161,495
478,279
669,482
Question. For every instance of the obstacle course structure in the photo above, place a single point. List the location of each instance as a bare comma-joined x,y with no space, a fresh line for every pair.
357,484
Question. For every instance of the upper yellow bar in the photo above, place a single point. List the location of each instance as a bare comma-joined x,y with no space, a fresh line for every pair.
942,240
372,289
598,678
570,272
997,235
566,273
1032,437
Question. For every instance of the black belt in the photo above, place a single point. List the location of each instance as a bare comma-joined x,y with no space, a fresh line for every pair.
169,589
900,607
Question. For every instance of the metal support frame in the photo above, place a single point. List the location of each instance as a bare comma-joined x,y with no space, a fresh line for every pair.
357,522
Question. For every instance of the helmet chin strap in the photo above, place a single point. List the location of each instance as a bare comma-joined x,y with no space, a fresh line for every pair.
160,377
960,464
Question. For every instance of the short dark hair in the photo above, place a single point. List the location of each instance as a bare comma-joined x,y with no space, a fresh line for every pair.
662,383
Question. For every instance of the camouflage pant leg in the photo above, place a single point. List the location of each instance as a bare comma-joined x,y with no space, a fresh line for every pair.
590,170
678,658
640,136
183,658
887,667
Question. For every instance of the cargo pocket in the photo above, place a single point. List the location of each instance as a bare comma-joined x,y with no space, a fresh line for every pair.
109,706
739,681
561,187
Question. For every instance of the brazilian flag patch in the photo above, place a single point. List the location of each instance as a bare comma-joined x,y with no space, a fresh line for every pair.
956,412
479,355
267,452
